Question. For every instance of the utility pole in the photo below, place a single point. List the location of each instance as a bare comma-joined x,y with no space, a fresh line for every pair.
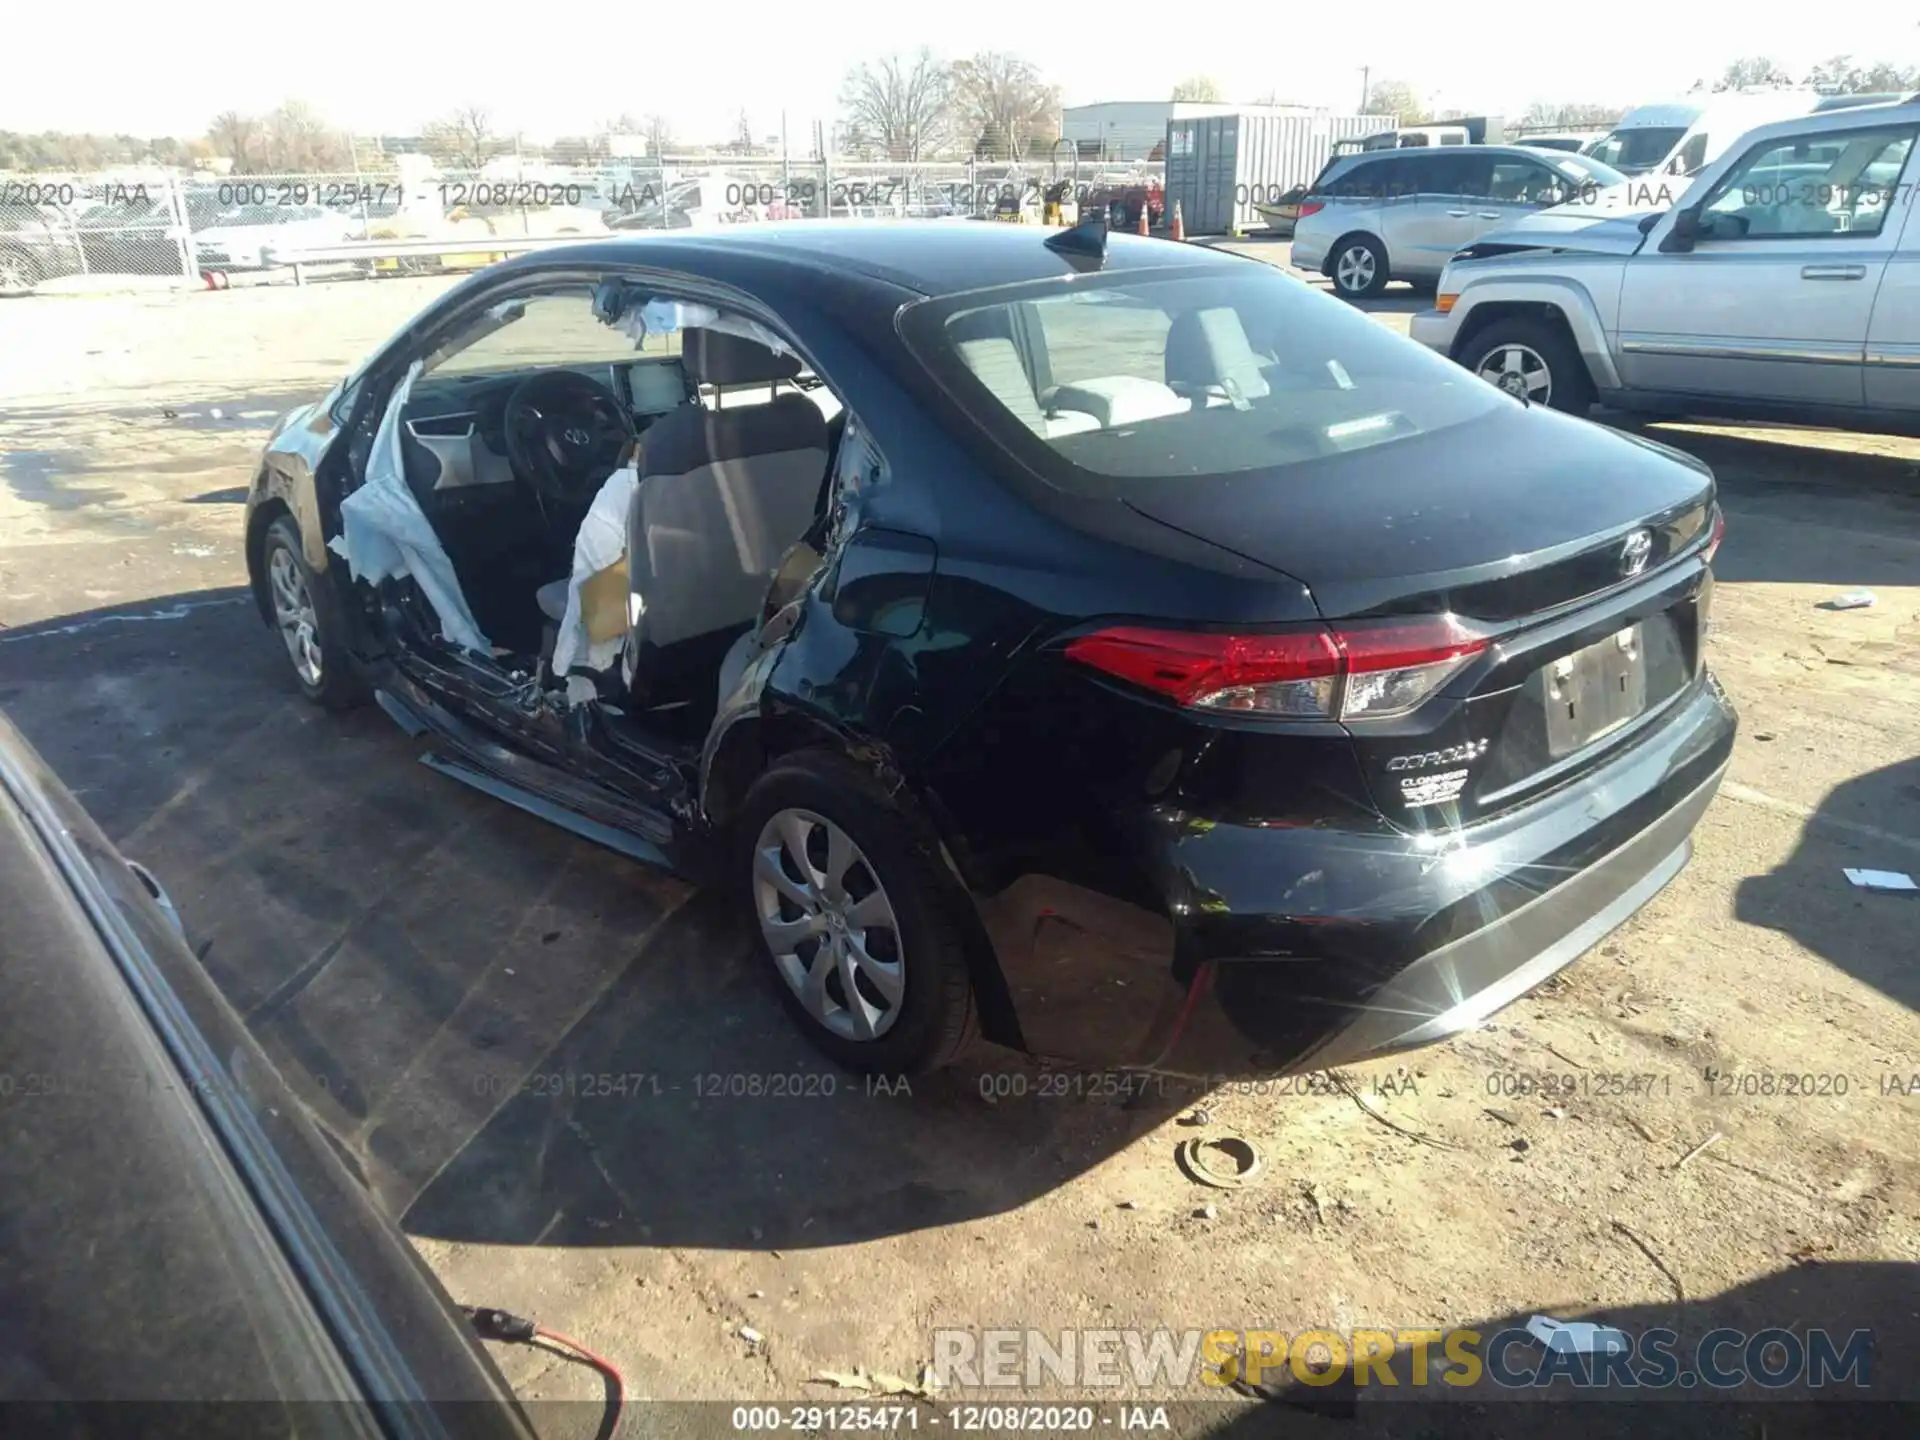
1366,88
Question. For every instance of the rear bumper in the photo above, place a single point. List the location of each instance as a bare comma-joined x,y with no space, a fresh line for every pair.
1309,253
1297,949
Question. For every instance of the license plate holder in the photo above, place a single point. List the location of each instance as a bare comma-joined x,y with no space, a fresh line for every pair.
1594,691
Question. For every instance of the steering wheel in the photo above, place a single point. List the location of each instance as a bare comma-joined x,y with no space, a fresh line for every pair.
564,434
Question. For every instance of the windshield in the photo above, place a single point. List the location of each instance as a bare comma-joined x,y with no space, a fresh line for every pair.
1638,149
1586,171
1114,381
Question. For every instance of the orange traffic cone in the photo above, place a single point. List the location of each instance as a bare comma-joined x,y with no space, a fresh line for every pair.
1143,217
1179,225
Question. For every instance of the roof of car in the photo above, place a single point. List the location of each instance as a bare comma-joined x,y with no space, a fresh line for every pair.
1852,117
1520,150
934,257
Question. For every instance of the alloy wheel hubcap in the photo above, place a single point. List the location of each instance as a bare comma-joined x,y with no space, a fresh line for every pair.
829,924
293,612
1520,371
1355,268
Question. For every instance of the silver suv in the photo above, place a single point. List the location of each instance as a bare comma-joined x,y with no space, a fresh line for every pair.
1401,214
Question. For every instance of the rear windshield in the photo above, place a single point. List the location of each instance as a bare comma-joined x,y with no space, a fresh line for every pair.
1104,384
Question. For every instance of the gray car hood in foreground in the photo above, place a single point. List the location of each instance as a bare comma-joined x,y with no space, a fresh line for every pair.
1605,222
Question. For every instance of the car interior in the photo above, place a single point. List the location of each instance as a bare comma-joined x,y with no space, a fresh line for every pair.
515,424
1104,377
1811,186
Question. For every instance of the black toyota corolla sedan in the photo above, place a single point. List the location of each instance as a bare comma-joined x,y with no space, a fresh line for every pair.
1111,647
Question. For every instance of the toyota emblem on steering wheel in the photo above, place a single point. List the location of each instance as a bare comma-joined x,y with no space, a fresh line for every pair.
575,436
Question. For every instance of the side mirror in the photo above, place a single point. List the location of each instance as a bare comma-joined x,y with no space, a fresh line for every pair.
1684,234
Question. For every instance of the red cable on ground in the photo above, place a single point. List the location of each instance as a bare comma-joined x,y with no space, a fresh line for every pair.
605,1366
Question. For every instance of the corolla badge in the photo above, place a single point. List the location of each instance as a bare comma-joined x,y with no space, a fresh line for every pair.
1635,553
1452,755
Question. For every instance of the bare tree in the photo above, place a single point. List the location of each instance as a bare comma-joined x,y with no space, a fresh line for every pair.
1577,116
1005,104
1395,97
1841,76
464,140
1202,88
659,132
1753,71
234,136
899,104
297,140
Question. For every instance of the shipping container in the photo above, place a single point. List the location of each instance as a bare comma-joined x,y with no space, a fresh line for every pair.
1220,166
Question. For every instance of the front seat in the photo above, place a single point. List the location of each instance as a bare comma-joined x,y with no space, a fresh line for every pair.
1209,359
723,493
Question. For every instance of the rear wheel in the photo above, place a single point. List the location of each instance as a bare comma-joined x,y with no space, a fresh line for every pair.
1532,361
307,615
1359,267
856,917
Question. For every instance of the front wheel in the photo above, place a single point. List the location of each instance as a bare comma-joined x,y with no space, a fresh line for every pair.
1359,267
857,918
1533,362
307,615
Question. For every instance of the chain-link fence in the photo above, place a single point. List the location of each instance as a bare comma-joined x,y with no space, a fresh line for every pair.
161,224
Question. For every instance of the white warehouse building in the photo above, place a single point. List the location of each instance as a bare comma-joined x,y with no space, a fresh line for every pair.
1131,129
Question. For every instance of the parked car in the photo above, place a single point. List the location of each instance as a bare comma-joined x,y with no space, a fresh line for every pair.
1399,214
1780,283
1115,649
37,242
184,1252
1573,142
240,238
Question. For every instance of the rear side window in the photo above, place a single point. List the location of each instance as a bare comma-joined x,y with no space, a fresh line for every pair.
1106,384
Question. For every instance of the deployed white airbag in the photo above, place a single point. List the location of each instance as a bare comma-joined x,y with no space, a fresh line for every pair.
663,317
601,542
385,534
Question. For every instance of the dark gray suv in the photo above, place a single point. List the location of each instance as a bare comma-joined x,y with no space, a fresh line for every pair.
1400,214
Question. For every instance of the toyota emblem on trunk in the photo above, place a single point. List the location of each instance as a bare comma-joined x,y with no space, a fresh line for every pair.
1635,553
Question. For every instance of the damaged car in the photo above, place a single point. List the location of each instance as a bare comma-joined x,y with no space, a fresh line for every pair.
1112,649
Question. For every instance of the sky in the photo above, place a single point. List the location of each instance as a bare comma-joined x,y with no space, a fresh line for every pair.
564,66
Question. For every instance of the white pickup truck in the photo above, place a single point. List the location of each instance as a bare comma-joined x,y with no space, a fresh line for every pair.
1781,281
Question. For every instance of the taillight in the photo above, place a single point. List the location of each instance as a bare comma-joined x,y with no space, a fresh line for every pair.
1311,207
1719,533
1354,672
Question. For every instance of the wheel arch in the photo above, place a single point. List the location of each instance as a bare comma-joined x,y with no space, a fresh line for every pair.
754,744
1348,237
263,516
1564,304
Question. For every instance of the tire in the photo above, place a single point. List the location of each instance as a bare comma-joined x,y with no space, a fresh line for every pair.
1533,360
19,272
1358,266
322,666
930,1019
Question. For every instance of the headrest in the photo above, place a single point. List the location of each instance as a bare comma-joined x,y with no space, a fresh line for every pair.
692,436
1207,348
713,357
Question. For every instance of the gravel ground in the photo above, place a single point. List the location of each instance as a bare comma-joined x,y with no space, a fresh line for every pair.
439,973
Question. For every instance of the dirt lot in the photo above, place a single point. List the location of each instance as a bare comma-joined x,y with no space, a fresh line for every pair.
448,979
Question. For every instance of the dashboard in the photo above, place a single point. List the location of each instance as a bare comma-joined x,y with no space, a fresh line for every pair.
455,425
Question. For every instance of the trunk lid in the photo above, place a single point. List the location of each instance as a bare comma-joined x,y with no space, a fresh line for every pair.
1506,515
1573,548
